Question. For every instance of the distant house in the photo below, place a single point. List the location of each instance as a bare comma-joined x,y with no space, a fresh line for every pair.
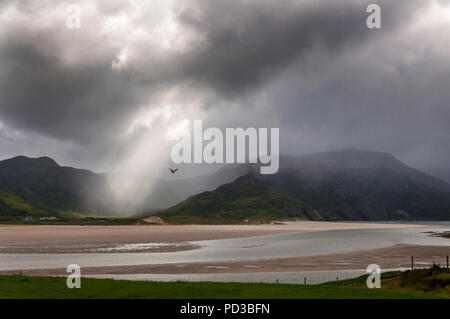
47,218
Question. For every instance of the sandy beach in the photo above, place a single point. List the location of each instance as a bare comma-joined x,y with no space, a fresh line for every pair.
85,239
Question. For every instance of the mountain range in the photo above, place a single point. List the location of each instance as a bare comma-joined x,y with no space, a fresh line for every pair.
340,185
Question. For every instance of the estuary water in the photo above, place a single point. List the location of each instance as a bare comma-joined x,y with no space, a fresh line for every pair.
280,245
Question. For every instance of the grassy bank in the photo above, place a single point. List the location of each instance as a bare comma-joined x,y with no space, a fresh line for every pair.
417,284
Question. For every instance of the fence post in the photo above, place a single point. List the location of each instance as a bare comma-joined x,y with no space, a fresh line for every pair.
447,261
412,262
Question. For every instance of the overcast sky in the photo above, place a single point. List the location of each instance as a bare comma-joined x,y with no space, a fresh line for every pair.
110,95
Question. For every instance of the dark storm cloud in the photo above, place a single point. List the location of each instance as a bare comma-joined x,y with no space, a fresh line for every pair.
75,103
247,43
330,81
367,107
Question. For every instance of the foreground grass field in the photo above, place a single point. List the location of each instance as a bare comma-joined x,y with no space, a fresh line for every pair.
417,284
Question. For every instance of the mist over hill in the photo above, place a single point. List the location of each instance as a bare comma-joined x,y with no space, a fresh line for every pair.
340,185
39,186
141,193
442,173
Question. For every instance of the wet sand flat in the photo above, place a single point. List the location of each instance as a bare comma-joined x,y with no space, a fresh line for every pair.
397,256
109,239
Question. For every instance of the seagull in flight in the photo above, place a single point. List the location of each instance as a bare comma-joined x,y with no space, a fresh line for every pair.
173,170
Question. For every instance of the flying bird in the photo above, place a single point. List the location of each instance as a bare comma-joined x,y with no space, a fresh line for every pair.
173,170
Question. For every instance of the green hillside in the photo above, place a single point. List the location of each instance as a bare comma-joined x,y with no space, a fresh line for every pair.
11,205
45,185
246,198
